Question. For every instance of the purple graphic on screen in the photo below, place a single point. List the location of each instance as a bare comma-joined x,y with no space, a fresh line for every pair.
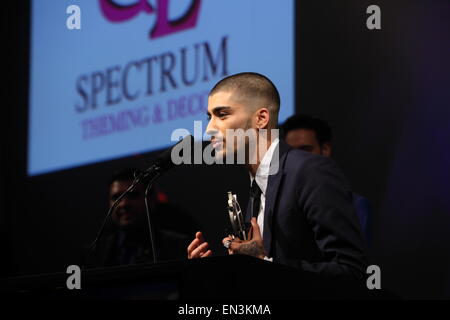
163,26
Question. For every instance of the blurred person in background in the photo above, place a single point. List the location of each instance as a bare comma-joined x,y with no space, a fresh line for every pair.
129,243
311,134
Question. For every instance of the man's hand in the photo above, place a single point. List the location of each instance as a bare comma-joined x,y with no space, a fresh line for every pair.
198,247
254,246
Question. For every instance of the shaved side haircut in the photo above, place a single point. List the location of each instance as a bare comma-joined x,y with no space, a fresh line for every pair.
252,86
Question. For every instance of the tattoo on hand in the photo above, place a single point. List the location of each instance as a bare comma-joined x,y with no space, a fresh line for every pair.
252,248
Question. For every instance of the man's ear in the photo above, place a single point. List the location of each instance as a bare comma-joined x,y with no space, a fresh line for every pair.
262,118
326,149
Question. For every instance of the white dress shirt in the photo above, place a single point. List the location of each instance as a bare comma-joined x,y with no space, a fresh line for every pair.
262,177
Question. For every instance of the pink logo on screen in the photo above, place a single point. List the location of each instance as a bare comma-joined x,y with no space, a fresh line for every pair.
163,25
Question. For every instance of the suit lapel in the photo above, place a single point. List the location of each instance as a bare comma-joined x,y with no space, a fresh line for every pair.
273,186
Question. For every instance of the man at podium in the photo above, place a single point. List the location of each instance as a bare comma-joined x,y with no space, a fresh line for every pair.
300,210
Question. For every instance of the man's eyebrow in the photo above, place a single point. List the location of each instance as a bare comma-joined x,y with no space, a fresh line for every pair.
218,109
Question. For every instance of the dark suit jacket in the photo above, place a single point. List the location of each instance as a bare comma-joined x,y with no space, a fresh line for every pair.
309,218
365,215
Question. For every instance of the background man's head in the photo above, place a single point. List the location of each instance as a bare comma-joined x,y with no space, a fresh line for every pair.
308,133
241,101
130,211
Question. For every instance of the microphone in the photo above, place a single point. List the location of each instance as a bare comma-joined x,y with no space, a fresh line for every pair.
162,163
164,160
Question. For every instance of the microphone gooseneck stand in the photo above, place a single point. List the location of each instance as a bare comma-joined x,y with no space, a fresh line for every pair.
151,173
163,163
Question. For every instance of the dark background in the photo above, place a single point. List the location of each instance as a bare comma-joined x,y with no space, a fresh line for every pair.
385,92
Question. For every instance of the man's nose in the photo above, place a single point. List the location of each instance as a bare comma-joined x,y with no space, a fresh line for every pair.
211,129
124,202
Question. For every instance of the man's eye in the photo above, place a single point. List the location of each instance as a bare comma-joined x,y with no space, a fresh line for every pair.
221,115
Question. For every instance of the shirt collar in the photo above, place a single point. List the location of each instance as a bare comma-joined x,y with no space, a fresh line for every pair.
262,174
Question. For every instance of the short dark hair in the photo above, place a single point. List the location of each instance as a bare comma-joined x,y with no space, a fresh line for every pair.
304,121
254,85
